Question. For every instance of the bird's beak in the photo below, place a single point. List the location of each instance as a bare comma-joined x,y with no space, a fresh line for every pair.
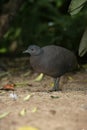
26,51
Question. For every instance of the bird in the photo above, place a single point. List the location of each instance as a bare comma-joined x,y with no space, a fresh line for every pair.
52,60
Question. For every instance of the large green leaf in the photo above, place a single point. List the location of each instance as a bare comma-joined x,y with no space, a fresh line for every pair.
76,6
83,44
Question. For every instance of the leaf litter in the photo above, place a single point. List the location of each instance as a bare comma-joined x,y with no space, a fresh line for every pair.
4,115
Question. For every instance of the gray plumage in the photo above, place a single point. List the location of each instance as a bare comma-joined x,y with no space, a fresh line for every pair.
52,60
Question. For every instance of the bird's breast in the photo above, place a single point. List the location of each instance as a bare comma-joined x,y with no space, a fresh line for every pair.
36,63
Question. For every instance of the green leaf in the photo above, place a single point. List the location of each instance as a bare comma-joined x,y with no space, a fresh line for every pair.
76,6
83,44
3,50
17,33
59,3
6,35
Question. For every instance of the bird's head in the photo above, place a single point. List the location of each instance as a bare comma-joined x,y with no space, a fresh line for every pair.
33,50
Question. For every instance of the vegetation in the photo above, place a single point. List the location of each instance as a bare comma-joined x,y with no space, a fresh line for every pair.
43,22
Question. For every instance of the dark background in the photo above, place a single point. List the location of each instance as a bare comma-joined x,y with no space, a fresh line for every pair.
41,22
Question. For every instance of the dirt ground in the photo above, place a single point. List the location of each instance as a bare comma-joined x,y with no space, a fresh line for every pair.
44,110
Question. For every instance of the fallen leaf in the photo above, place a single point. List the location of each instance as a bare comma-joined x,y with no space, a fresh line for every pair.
39,78
22,112
20,84
34,110
54,96
4,115
8,87
27,128
70,78
27,73
27,97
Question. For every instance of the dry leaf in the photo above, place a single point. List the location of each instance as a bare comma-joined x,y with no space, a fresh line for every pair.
27,128
55,97
4,115
39,78
22,112
34,110
27,97
8,87
70,78
27,73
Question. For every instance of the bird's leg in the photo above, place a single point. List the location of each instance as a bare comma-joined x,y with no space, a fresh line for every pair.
56,84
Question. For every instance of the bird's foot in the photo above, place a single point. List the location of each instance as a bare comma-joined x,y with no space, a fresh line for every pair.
54,89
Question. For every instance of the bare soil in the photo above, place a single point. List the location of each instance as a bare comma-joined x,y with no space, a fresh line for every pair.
62,110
